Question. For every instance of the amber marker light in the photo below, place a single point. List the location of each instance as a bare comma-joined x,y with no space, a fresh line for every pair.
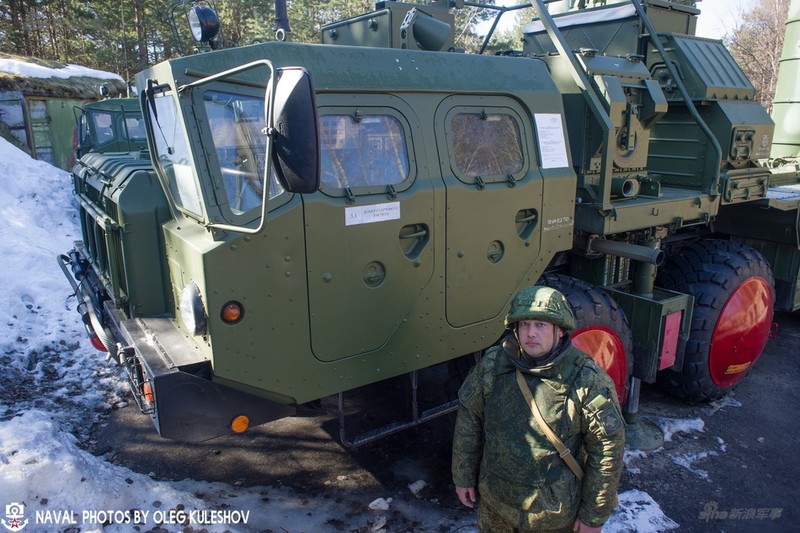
240,424
147,391
232,312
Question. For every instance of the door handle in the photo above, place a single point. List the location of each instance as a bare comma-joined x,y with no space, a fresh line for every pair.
413,239
416,235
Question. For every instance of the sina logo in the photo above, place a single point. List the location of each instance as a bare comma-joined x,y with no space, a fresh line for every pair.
15,512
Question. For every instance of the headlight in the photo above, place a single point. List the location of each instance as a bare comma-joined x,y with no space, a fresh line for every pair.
204,23
193,312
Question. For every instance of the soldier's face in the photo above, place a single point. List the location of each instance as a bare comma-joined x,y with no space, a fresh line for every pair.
537,337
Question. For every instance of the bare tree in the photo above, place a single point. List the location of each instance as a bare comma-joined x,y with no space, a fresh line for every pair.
756,44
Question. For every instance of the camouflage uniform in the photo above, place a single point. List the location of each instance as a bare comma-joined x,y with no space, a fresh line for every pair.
499,448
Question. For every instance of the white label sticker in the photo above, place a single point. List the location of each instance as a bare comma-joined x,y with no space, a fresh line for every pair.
367,214
557,223
552,146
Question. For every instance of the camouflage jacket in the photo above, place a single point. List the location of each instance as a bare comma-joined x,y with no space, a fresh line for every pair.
499,447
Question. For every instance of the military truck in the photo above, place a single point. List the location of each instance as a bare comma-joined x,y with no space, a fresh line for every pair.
313,218
110,125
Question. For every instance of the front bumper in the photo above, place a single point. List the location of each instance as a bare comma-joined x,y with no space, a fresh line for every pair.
171,379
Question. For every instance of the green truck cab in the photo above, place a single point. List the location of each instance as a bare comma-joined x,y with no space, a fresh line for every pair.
110,125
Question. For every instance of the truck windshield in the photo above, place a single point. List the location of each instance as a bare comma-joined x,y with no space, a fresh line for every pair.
236,122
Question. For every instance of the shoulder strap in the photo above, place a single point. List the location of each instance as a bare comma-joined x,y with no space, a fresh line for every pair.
563,451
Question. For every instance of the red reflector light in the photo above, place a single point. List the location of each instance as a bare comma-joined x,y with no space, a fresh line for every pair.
97,343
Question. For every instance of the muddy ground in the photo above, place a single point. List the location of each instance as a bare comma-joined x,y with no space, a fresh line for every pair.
733,467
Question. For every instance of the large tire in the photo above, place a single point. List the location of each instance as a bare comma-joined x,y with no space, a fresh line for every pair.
733,289
602,328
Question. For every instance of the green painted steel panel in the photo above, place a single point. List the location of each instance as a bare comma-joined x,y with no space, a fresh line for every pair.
709,71
647,315
128,245
678,148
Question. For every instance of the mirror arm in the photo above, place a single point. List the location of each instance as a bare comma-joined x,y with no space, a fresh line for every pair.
269,130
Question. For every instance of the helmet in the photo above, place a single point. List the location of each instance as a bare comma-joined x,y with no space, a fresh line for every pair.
541,303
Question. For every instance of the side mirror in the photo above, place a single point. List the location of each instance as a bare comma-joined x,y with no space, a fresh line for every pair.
81,147
295,131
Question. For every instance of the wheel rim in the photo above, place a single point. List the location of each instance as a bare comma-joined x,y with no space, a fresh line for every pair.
741,332
607,349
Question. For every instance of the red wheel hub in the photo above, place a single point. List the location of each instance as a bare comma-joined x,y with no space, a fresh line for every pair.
608,351
741,332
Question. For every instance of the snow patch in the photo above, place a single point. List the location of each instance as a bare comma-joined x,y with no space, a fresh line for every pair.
726,401
46,470
629,457
380,504
417,487
638,513
671,426
687,461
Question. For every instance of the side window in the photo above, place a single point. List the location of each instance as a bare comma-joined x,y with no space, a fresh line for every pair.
173,154
362,151
134,126
103,127
236,121
486,145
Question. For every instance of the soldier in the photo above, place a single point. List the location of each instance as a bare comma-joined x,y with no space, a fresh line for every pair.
500,447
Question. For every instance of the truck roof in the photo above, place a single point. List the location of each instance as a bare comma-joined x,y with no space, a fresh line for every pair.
335,67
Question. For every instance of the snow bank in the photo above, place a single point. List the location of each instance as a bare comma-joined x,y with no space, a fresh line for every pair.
37,221
47,360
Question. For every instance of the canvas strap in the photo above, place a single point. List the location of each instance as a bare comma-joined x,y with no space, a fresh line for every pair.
563,451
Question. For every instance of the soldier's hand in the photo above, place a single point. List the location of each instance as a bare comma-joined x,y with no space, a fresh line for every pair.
466,495
580,527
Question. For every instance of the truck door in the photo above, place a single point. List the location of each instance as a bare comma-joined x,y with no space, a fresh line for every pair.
369,230
494,202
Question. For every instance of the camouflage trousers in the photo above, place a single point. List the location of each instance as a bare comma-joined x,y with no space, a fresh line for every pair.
491,522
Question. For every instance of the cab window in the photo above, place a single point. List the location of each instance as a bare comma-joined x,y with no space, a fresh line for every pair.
103,126
134,128
173,157
486,144
362,151
236,122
